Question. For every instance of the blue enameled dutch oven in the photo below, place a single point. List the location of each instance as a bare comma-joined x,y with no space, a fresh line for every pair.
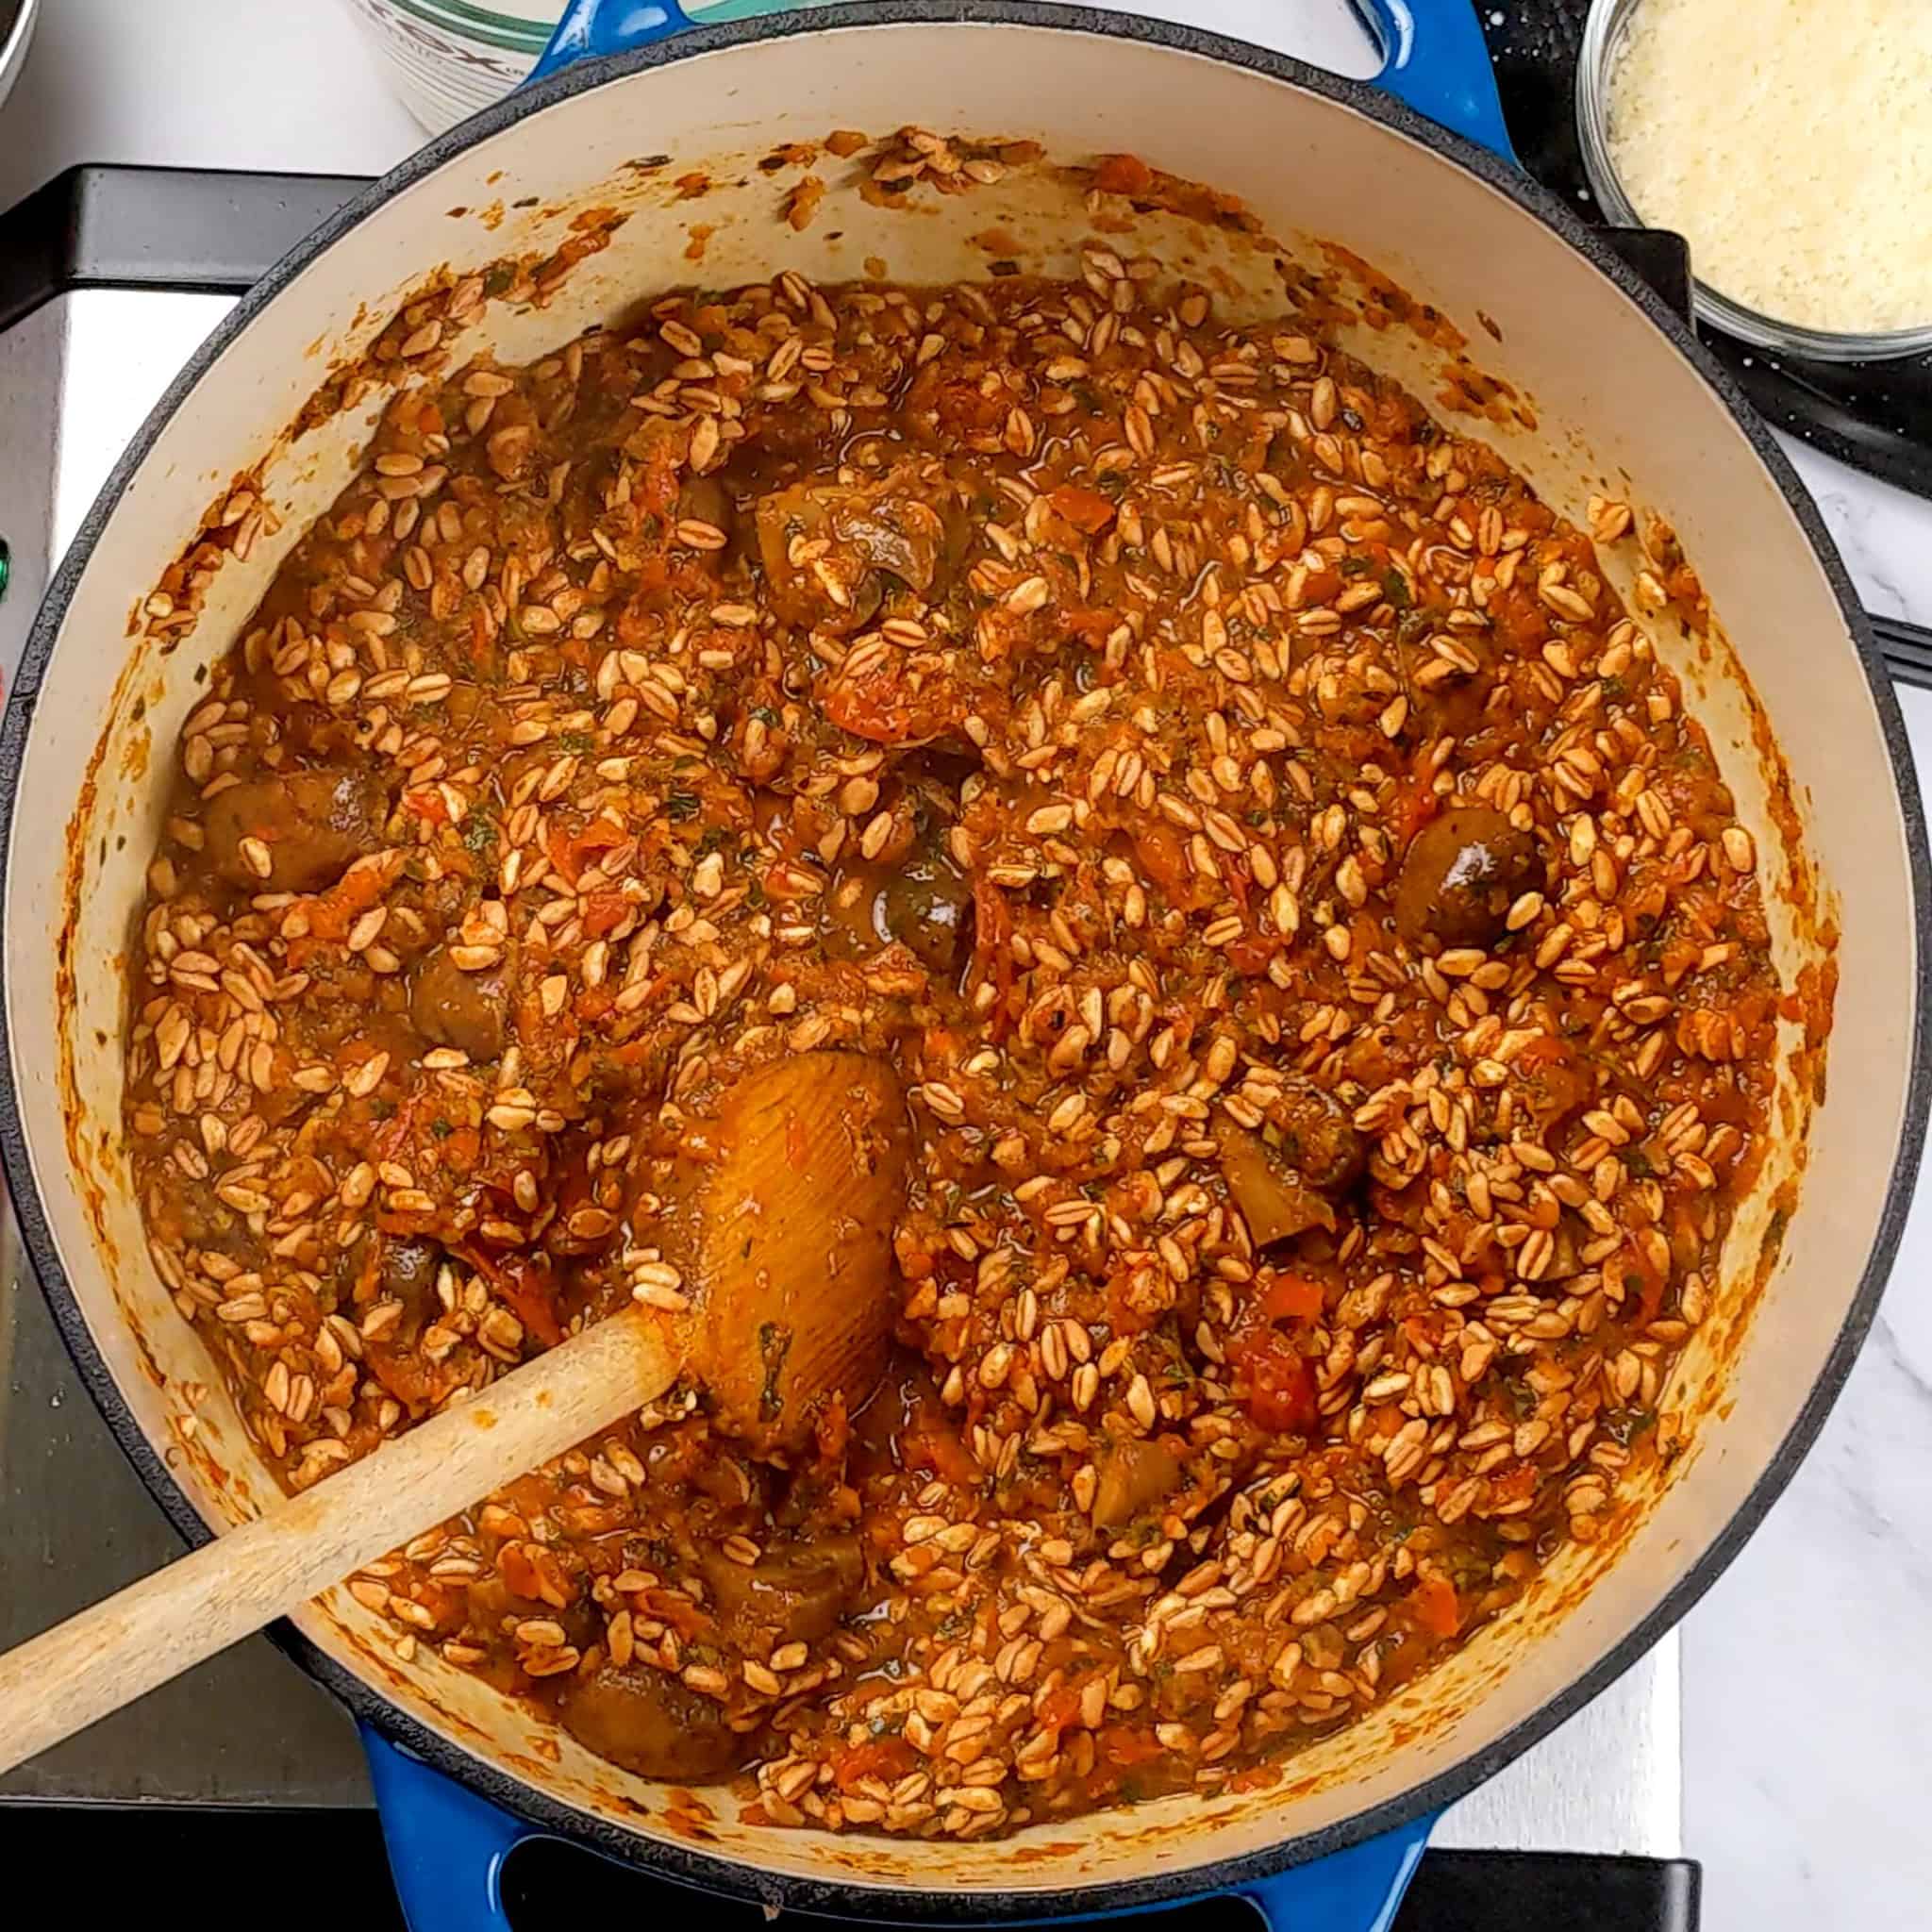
1607,395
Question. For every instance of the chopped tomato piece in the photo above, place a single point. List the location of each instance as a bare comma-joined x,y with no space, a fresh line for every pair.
1281,1382
1124,1747
426,803
1060,1705
573,854
600,835
1436,1606
882,705
886,1759
680,1613
1545,1050
1250,954
1163,855
412,1381
1292,1297
638,1052
333,912
930,1441
968,412
1415,805
1123,174
1094,626
1521,619
1516,1483
524,1286
1085,510
1387,1417
604,913
519,1571
992,955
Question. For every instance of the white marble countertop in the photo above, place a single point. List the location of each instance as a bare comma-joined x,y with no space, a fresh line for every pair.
1805,1702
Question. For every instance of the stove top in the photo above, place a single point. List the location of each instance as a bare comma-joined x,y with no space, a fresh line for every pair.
77,374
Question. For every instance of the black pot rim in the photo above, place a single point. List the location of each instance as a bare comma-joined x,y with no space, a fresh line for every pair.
907,1904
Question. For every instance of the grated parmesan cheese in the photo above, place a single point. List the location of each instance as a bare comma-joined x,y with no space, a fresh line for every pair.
1791,142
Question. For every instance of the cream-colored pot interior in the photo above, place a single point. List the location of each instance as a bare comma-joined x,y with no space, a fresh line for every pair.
1622,412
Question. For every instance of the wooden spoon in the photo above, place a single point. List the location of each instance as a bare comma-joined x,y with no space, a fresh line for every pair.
784,1225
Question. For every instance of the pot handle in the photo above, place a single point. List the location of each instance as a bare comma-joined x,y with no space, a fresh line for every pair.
590,27
446,1846
1357,1890
1435,58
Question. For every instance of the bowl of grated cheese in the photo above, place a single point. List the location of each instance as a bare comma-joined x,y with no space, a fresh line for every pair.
1790,142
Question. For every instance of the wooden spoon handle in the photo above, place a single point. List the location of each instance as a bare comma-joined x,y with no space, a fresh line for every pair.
56,1683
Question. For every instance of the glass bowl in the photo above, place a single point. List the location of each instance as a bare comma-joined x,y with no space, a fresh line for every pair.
1603,36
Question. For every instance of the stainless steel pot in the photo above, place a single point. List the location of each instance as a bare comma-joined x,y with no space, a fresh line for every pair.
1618,400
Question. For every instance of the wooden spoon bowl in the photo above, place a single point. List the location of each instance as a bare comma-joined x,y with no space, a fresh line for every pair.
787,1243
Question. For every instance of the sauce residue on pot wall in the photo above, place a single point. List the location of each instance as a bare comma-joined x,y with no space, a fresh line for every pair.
412,343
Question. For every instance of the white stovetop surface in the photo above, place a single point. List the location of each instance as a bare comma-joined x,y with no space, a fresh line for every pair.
1806,1704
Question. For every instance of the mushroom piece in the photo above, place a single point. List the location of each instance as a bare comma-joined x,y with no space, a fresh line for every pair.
650,1723
1568,1240
705,500
1134,1473
408,1274
1283,1173
928,906
469,1011
306,827
1459,876
827,548
1275,1202
794,1593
